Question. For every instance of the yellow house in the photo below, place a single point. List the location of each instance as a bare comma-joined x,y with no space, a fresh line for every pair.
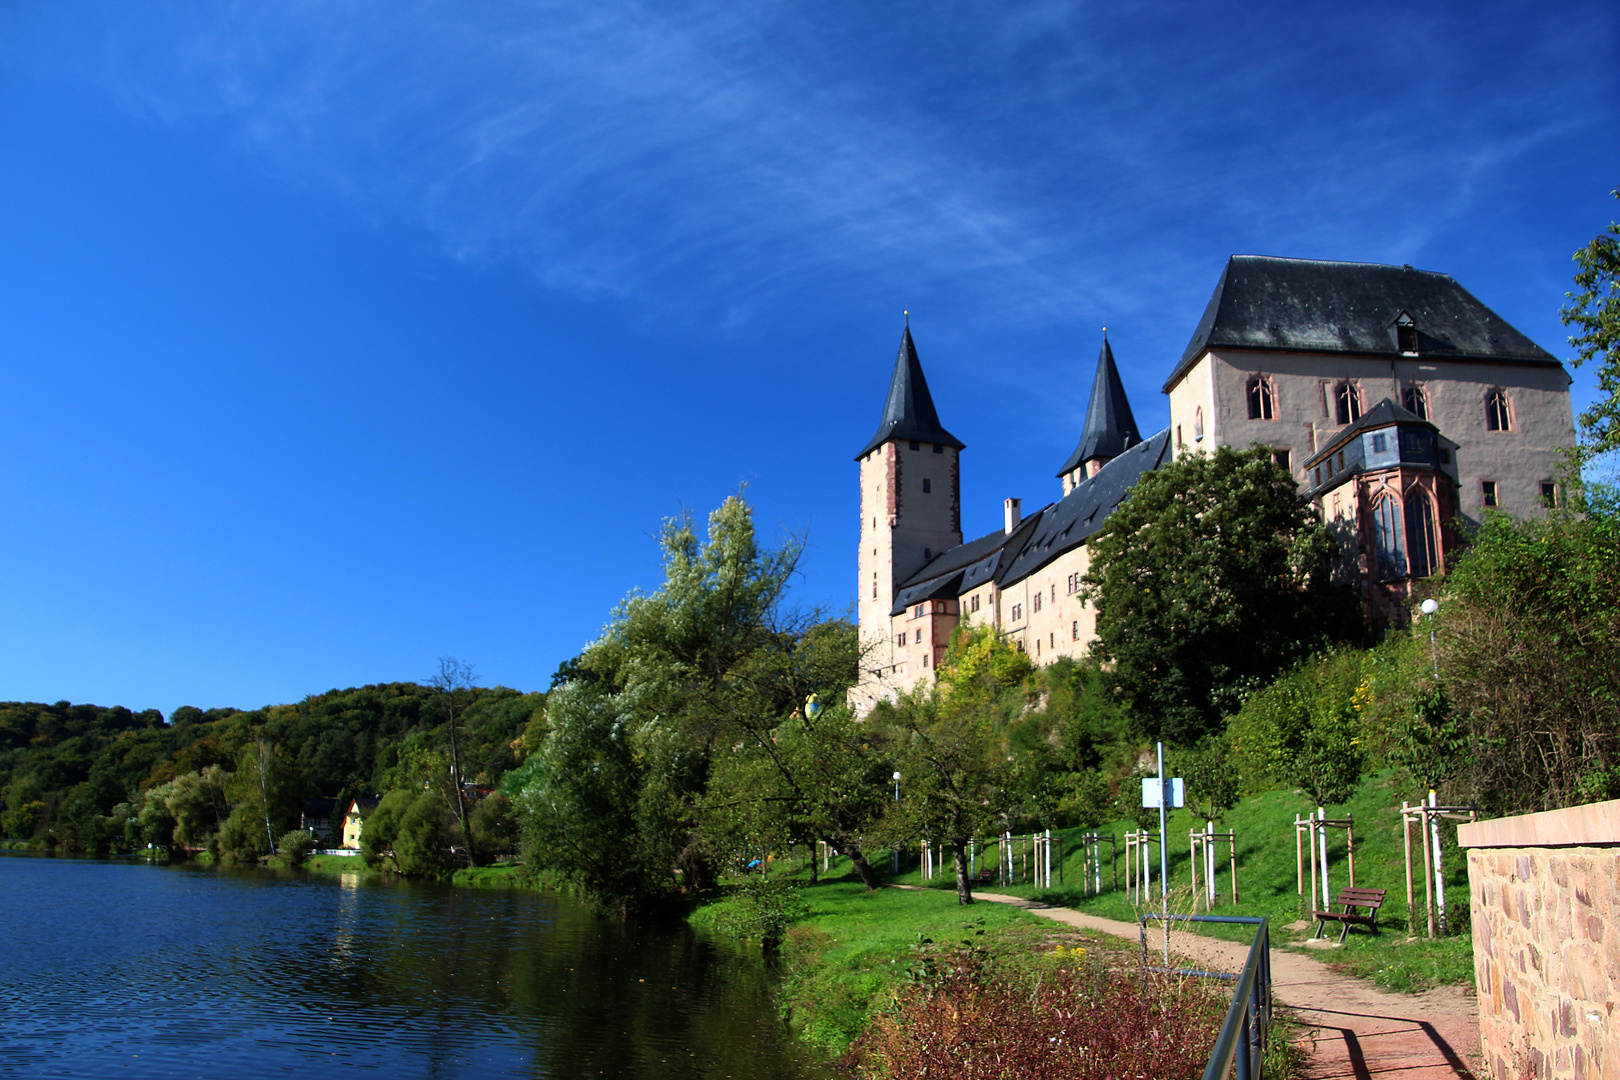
354,820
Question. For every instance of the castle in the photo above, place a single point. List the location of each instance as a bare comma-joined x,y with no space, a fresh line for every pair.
1402,405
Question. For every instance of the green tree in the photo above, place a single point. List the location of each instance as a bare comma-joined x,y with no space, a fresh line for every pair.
1208,580
951,747
679,675
1210,774
1305,729
1595,310
1529,644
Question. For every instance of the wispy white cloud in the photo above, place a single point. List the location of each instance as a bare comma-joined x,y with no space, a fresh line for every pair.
1066,160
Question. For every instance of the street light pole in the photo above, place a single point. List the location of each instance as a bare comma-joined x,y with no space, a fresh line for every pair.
894,853
1429,607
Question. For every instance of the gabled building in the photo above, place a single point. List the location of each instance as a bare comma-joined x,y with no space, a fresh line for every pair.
1402,404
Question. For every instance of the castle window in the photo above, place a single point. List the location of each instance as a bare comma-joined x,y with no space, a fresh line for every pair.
1487,491
914,445
1406,338
938,448
1198,424
1262,399
1074,583
1416,401
1037,602
1380,443
1316,476
1052,639
1549,494
1341,461
1389,536
1075,630
1279,456
1179,440
1347,396
1420,534
1054,592
902,637
973,602
925,659
1445,456
1017,612
1497,416
928,486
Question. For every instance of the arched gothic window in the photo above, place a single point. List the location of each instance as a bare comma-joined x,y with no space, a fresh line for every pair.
1420,539
1262,399
1389,538
1347,395
1497,415
1416,401
1198,423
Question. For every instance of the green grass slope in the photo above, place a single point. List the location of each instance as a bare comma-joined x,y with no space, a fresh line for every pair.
1267,883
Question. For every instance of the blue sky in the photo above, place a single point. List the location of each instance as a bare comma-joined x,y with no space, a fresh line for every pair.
340,337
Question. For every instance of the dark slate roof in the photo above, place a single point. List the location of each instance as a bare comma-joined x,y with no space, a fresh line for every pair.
1110,427
1076,518
953,572
909,411
1039,538
1305,305
1383,414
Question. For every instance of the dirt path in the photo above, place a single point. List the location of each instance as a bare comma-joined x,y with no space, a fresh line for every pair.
1359,1030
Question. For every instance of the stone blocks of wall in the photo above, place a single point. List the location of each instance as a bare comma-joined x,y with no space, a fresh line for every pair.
1545,899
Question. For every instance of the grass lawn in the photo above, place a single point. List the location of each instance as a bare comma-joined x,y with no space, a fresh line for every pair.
1394,959
848,959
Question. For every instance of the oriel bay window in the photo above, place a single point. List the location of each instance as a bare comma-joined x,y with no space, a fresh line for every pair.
1389,538
1422,547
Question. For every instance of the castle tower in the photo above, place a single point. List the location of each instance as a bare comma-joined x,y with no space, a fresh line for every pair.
911,502
1110,428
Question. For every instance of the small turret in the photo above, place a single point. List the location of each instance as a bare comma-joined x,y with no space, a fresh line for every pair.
1110,428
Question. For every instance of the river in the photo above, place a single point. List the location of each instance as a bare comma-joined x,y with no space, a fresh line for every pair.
117,968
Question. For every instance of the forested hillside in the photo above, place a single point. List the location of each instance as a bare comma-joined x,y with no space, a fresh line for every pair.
95,779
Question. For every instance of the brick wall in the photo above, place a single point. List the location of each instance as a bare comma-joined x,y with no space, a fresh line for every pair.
1545,899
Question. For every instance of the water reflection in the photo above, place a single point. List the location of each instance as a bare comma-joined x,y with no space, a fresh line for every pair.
156,971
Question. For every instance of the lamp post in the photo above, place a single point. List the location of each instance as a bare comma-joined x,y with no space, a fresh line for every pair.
894,853
1429,607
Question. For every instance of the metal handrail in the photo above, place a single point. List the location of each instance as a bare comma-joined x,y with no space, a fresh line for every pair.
1247,1028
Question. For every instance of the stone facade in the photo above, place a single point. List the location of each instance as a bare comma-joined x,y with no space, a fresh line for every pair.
1545,899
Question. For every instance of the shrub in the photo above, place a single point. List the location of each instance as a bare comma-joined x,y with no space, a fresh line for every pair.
295,846
1070,1020
762,909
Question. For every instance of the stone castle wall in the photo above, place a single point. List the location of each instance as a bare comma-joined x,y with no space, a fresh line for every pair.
1545,898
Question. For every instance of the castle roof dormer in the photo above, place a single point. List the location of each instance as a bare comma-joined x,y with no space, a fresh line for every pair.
1110,428
909,411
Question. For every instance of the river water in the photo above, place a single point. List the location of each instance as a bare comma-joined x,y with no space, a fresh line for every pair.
123,969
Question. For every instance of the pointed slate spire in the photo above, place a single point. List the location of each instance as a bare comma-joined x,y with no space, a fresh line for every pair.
909,411
1110,427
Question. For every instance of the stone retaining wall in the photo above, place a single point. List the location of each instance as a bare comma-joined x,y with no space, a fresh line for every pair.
1545,898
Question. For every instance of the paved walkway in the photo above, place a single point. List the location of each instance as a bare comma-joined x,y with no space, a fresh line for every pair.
1358,1030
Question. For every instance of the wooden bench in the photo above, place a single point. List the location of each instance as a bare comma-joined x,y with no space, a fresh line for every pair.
1367,900
986,877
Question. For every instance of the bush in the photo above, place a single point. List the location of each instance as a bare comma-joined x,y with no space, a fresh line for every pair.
761,909
295,846
1071,1020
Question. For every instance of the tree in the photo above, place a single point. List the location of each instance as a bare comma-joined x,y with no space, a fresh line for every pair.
1596,311
1305,729
1208,580
1529,644
951,746
1211,776
679,676
453,678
